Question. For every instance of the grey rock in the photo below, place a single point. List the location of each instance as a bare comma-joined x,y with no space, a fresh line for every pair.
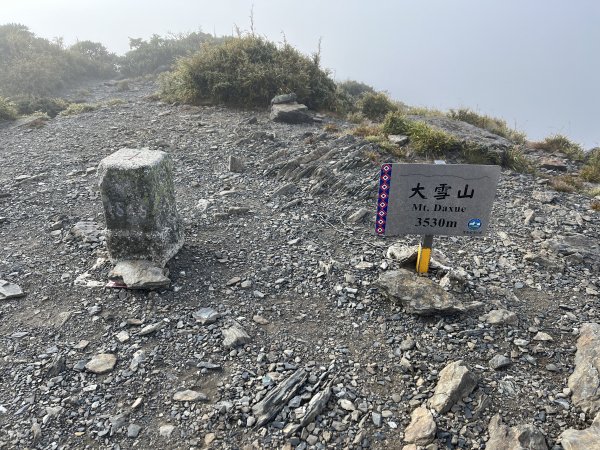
139,274
101,363
376,418
277,398
141,216
292,113
582,247
189,396
584,382
234,336
588,439
315,406
206,316
10,290
286,189
422,427
455,382
398,139
236,164
165,431
133,430
284,98
419,295
499,361
149,329
499,317
87,231
502,437
358,216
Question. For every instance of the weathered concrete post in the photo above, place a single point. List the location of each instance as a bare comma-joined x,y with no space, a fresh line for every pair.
139,206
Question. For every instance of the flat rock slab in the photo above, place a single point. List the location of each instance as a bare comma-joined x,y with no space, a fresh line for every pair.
139,274
588,439
101,363
189,396
137,192
585,379
580,246
523,437
456,381
422,427
419,295
10,290
206,316
290,113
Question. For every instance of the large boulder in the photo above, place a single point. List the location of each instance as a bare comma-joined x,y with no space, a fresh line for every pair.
456,381
522,437
419,295
584,382
588,439
290,113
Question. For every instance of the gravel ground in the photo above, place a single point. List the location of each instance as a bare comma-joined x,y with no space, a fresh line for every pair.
274,252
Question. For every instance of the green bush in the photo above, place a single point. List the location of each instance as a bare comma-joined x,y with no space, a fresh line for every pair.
561,144
492,124
396,123
7,110
78,108
375,105
33,66
158,54
249,71
591,169
355,88
430,141
51,106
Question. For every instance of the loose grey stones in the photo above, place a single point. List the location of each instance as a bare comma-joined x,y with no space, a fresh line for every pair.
166,430
503,437
101,363
234,336
419,295
456,381
189,396
585,380
10,290
139,206
588,439
422,427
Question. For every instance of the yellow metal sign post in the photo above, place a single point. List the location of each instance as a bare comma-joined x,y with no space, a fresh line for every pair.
424,255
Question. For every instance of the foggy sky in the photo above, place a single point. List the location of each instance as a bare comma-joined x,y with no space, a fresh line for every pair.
534,63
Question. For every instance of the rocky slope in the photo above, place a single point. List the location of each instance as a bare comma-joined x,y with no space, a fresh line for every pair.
276,332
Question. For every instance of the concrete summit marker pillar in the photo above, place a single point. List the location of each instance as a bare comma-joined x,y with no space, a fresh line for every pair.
139,206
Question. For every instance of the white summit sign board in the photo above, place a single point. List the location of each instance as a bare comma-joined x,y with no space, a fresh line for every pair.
432,199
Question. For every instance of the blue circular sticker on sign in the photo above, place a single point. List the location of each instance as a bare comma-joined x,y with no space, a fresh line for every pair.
474,224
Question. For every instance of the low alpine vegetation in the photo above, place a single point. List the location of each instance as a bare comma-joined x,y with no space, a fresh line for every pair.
492,124
561,144
7,110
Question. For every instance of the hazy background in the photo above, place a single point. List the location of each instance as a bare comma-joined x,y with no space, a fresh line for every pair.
534,63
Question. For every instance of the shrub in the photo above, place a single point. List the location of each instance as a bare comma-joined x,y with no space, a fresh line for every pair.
566,183
7,110
561,144
37,67
249,71
158,54
78,108
51,106
355,88
396,123
122,86
375,105
430,141
591,169
492,124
